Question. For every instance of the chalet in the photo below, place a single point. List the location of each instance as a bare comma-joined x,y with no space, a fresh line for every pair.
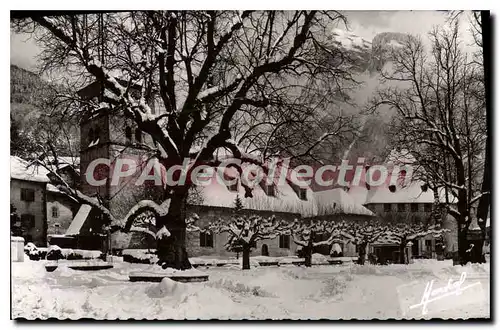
42,208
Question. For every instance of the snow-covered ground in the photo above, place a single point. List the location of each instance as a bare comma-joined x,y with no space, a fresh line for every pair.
331,292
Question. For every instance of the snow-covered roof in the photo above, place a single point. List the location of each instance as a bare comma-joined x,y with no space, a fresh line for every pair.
23,170
20,169
337,201
410,193
52,188
286,199
62,162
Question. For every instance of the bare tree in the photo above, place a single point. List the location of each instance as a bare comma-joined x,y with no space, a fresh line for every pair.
401,234
441,122
363,234
246,231
208,72
307,235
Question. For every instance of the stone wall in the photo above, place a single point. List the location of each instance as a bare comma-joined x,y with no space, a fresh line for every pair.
211,214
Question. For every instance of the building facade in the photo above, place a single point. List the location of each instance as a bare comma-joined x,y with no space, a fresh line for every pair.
43,210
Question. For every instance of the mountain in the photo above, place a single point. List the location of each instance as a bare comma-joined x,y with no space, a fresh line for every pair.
35,120
367,58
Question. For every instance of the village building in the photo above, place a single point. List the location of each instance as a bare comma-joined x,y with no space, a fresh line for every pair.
43,209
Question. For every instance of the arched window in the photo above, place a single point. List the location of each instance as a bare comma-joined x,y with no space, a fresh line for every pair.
128,134
206,239
55,212
138,135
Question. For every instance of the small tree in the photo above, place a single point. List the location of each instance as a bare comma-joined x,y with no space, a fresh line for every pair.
236,247
363,234
305,235
238,204
401,234
247,231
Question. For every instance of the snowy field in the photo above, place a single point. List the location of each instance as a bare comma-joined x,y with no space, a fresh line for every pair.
346,291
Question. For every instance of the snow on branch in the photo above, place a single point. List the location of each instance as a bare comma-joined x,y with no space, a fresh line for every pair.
140,207
401,233
307,234
250,229
163,233
192,226
364,233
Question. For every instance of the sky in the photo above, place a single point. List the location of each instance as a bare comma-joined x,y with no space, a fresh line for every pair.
365,24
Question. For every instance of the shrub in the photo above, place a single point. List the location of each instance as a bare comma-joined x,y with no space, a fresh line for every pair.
54,255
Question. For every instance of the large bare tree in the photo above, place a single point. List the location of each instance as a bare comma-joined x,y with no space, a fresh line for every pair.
244,81
441,119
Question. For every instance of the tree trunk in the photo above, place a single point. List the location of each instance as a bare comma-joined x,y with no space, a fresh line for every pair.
362,253
308,256
308,251
246,257
172,250
402,246
485,200
462,245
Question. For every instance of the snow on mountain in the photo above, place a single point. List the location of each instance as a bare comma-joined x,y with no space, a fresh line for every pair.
350,40
368,55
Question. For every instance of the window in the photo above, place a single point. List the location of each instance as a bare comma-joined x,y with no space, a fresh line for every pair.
387,207
284,241
424,187
27,195
392,188
414,207
27,221
55,212
428,207
303,194
271,190
128,134
138,135
401,207
206,239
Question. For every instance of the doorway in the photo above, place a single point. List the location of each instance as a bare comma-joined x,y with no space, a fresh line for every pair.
265,250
